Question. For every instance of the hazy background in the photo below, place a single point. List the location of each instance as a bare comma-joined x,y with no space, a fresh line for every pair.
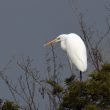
25,25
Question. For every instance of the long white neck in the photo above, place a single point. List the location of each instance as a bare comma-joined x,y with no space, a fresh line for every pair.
63,45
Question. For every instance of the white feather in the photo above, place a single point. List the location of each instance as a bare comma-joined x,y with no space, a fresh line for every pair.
76,50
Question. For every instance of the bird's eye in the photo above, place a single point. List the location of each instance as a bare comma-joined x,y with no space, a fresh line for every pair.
58,38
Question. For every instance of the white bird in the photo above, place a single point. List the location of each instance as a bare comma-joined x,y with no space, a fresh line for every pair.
75,49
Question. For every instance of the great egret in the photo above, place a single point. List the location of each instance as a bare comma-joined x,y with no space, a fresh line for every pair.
75,49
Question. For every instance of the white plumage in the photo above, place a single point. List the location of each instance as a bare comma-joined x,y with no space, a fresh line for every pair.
75,49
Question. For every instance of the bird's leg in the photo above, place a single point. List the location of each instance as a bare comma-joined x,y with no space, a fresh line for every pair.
80,107
71,68
80,76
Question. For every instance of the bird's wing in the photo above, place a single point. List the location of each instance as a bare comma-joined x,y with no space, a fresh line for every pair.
76,51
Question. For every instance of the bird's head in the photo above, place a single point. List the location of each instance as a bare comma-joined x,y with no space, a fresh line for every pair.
58,39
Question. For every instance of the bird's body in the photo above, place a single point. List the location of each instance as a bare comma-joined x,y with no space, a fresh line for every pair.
76,51
75,48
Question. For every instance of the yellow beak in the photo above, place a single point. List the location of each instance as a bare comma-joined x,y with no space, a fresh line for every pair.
50,42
